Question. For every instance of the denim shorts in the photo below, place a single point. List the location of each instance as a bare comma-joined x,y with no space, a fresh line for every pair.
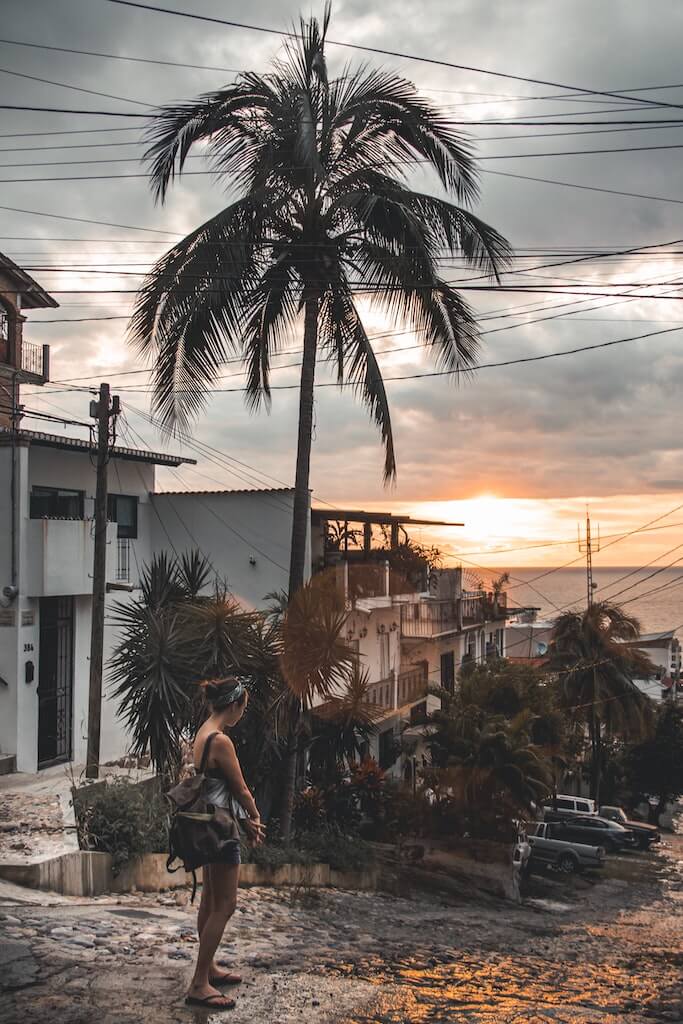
231,855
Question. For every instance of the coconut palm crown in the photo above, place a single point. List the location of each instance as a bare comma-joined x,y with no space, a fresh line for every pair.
320,213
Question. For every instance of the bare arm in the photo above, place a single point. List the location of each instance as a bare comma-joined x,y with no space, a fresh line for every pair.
226,759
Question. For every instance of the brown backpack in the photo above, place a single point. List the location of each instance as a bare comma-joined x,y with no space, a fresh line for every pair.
199,831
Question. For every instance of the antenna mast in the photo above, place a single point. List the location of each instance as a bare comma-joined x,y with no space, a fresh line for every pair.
588,544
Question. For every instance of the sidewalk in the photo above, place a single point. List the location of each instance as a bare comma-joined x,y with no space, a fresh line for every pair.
36,813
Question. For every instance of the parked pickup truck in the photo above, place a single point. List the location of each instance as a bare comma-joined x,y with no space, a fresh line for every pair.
566,855
645,834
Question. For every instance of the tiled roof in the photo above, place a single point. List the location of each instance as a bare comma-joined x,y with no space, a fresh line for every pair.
79,444
233,491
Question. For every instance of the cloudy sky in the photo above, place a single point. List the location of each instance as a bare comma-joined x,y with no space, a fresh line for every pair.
518,451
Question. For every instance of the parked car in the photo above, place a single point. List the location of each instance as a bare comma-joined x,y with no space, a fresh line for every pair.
566,806
592,829
562,853
644,833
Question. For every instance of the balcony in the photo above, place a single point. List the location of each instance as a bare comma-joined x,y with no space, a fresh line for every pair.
426,619
59,556
35,362
410,687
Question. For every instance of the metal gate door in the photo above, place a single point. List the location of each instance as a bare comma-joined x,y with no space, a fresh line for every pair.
55,680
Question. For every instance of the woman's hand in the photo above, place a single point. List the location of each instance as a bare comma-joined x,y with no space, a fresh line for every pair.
256,831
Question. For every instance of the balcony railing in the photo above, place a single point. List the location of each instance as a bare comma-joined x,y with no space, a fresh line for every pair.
35,359
123,559
429,618
410,686
381,694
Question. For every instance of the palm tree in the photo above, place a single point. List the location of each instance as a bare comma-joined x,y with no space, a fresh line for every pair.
594,655
342,725
321,213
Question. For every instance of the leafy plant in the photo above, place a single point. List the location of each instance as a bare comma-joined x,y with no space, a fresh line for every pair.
123,819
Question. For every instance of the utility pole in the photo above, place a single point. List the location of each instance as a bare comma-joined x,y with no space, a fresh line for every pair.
103,411
589,544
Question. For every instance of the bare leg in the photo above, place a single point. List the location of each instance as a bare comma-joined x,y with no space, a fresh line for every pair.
205,901
223,901
216,974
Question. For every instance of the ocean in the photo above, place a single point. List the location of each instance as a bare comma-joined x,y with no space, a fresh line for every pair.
655,600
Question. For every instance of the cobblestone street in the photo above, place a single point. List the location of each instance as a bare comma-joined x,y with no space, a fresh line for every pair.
574,952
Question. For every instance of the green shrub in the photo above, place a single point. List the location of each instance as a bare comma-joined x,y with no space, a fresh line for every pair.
325,846
122,819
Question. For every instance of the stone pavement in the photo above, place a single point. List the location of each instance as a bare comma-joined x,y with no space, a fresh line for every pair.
577,952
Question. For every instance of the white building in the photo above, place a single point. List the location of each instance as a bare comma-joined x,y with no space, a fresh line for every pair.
413,630
47,487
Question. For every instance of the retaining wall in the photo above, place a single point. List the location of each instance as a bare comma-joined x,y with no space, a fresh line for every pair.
90,874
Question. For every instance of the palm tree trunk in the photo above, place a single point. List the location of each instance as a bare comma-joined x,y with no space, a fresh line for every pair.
300,519
300,525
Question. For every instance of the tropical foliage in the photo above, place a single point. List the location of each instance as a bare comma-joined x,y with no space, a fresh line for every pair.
321,214
654,768
596,661
186,627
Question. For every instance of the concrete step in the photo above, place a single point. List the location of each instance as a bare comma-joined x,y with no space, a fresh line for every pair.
8,764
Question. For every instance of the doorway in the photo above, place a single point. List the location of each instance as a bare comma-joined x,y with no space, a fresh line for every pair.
55,680
448,671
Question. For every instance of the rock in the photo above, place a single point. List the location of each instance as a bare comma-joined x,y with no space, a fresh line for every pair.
8,919
62,932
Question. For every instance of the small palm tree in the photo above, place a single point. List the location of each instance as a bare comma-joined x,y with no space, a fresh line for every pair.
593,653
343,724
322,213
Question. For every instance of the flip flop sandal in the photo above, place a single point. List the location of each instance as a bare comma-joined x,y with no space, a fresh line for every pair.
210,1002
226,979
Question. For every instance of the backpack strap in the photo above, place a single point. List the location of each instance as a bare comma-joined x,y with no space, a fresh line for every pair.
205,753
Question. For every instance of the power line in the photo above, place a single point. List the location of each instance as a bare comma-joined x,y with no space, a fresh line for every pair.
137,60
88,220
76,88
389,53
68,110
200,156
584,188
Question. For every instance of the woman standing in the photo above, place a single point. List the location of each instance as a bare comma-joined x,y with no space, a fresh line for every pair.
227,699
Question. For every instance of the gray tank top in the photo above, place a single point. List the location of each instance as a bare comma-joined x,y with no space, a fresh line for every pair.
216,786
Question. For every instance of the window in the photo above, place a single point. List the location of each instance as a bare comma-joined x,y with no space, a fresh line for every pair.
56,503
581,805
4,326
122,509
565,805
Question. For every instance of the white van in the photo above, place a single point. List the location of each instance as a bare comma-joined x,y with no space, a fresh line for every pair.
568,805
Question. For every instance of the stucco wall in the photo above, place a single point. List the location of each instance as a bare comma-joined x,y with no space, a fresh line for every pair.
245,534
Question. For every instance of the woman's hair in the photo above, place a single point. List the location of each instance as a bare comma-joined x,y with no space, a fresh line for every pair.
222,692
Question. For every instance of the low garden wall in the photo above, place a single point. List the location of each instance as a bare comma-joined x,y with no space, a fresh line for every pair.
90,874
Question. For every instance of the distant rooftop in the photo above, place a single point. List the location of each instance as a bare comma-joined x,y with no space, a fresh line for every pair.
32,295
41,440
356,515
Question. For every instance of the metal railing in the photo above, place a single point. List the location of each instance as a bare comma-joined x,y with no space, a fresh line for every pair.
429,618
34,359
123,559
